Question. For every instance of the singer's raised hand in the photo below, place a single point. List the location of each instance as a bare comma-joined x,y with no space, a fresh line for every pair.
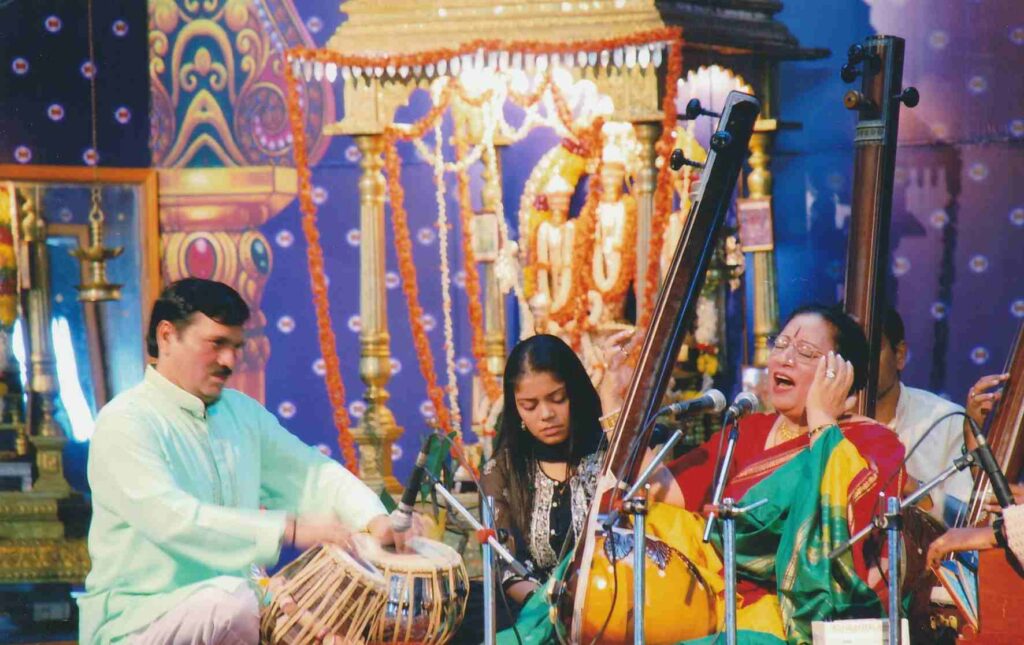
311,530
829,395
617,349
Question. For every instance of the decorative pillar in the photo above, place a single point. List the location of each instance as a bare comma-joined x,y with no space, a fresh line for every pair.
647,133
377,430
47,435
486,240
759,190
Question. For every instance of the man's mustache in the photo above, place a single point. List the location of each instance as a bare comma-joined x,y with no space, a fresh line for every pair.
224,372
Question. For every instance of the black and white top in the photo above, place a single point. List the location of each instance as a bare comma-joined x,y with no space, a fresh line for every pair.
559,513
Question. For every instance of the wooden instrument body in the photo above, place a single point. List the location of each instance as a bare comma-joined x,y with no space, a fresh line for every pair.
867,255
1000,601
1000,577
673,311
669,576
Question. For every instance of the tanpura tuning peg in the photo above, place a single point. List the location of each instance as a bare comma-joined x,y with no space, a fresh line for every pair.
694,109
849,72
855,54
720,140
909,97
678,160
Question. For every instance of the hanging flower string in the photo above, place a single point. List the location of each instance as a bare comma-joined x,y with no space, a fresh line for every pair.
380,63
663,187
415,60
407,267
315,261
446,277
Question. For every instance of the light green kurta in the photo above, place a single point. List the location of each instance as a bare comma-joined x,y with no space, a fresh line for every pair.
177,489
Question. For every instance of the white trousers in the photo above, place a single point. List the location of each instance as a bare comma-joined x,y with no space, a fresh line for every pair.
210,616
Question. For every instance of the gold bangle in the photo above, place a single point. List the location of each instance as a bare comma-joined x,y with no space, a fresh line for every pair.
609,420
821,428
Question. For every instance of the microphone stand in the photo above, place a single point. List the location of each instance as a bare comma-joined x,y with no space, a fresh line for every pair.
723,474
490,544
636,505
490,604
891,521
728,511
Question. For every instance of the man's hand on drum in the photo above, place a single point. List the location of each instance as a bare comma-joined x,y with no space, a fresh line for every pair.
382,529
311,530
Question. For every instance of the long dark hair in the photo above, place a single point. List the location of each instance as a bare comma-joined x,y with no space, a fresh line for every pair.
847,335
515,446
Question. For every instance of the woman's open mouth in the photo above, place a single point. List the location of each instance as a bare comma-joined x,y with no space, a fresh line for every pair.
782,382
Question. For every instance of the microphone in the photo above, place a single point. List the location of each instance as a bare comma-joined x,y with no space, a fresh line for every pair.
402,520
710,401
992,469
742,405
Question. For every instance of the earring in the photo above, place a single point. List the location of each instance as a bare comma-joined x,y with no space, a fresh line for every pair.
522,424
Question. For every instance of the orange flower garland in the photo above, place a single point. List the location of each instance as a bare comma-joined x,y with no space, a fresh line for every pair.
663,188
414,59
476,314
315,260
397,61
403,247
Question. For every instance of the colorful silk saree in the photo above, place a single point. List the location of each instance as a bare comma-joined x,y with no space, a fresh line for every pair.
816,499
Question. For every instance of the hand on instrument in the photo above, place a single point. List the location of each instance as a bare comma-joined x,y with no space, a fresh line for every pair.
992,506
311,530
980,399
382,529
616,352
963,539
829,395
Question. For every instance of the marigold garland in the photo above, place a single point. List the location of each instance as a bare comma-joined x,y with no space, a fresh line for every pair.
318,282
407,267
420,59
663,187
327,339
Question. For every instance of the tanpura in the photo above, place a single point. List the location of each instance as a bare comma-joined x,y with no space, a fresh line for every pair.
594,595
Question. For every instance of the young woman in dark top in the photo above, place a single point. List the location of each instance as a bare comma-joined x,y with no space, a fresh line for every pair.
547,454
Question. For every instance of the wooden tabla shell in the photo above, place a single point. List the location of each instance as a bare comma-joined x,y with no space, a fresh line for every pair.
426,595
324,596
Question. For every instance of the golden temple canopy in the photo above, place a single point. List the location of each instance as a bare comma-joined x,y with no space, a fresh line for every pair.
411,26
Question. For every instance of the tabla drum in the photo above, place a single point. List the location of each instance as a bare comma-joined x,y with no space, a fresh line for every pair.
326,595
427,590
